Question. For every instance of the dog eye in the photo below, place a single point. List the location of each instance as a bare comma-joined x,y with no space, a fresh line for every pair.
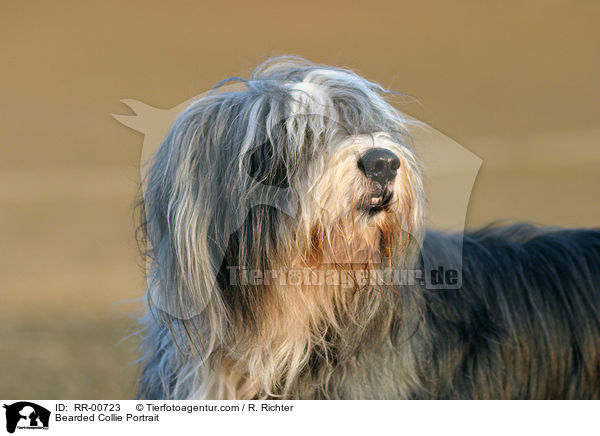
265,167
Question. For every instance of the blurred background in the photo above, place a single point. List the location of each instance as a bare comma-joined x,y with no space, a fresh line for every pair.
515,82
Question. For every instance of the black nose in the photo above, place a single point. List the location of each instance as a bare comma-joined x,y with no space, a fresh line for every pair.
379,164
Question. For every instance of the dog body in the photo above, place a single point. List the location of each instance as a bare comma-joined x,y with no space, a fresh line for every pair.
524,324
288,259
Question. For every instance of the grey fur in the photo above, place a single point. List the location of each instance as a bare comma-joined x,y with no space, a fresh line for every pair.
228,187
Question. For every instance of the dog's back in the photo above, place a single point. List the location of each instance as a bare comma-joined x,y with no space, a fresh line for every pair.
524,324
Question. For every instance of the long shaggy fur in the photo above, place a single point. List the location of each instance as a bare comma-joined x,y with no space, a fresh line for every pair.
264,182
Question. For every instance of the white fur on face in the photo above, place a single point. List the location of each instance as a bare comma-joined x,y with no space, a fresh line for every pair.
335,187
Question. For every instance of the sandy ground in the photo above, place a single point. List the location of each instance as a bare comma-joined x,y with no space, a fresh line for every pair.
516,83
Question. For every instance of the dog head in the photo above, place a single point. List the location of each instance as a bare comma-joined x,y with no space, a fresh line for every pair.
307,166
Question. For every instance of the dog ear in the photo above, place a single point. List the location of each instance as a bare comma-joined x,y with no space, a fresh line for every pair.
184,250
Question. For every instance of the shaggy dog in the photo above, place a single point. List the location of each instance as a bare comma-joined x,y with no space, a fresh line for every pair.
288,258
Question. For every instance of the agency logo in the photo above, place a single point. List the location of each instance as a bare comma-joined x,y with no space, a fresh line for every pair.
452,171
26,415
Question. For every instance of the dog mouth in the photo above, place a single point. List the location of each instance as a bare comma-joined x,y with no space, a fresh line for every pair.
376,202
